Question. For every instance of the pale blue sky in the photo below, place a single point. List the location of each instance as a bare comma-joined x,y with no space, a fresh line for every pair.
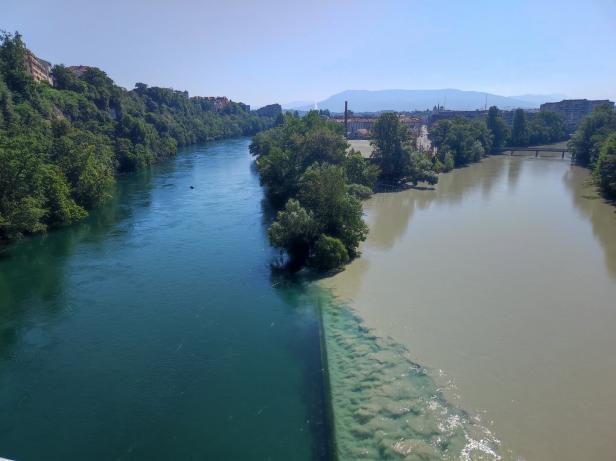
279,51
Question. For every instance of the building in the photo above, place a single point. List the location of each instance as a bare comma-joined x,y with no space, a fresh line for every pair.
271,110
360,127
442,114
574,110
217,102
38,69
78,71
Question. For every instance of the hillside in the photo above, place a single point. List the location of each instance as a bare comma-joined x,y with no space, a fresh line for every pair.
62,146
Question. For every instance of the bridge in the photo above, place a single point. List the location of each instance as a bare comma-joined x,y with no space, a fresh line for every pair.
538,150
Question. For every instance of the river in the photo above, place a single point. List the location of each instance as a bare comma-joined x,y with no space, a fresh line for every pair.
494,294
478,323
154,330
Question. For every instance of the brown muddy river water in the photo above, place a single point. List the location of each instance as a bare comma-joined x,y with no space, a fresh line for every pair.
501,282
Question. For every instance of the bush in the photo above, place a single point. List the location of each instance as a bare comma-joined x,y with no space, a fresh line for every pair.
360,191
329,253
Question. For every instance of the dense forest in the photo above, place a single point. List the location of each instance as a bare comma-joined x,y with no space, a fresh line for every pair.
61,146
594,146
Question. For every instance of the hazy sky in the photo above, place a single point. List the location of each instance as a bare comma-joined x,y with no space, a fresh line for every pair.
279,51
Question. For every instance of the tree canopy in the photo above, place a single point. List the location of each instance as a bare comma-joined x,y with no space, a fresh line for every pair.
594,145
498,127
460,141
307,170
394,155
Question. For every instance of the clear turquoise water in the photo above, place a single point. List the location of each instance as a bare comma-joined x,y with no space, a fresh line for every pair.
385,406
154,330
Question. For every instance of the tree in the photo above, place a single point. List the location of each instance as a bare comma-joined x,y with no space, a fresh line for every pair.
463,141
294,230
498,128
329,253
421,169
605,169
13,63
546,127
519,130
389,137
359,170
593,130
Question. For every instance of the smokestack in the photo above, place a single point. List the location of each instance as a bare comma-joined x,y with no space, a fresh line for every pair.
346,118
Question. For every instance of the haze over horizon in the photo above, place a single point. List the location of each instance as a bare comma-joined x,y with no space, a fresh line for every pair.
277,51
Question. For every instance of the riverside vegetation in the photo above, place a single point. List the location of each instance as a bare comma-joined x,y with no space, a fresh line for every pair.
594,146
318,184
460,141
62,146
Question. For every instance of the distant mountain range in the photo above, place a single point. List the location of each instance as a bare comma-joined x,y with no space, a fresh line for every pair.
409,100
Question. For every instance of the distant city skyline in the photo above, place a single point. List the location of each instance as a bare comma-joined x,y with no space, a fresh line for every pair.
279,51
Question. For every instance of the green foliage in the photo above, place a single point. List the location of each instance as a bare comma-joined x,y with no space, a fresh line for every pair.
359,170
605,168
329,253
546,127
421,168
499,129
395,156
283,153
460,141
304,163
587,140
519,130
294,230
61,147
448,161
360,191
390,141
322,189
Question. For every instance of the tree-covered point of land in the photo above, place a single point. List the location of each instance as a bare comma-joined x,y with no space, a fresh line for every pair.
393,153
317,185
62,146
594,146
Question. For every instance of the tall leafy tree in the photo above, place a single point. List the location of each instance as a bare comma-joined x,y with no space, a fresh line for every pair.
395,156
519,129
593,130
605,169
389,140
498,128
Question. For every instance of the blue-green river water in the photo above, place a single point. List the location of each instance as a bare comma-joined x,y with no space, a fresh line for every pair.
154,330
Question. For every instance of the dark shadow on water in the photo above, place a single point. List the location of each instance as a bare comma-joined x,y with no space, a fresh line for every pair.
33,269
309,351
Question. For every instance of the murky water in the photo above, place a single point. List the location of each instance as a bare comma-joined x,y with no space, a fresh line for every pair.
154,331
501,284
